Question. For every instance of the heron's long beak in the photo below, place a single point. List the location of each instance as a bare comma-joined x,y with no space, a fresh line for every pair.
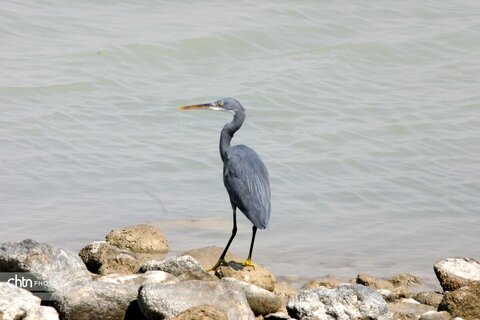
205,106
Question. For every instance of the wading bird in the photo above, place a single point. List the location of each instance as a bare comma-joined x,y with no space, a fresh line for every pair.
245,176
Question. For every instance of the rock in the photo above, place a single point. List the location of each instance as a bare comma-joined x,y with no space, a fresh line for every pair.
429,298
386,288
57,267
139,278
454,273
164,301
434,315
183,267
104,258
202,312
261,301
285,292
95,300
208,256
17,303
373,282
405,279
141,238
408,309
346,302
329,281
464,302
258,276
278,316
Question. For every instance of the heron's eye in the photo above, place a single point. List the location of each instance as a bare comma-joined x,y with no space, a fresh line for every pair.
220,103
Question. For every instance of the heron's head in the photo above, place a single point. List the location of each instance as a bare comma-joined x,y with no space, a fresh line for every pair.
225,104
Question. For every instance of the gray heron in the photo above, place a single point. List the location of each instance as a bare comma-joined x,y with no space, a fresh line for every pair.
245,176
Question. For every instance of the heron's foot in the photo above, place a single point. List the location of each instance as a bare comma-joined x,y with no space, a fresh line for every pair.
220,262
249,263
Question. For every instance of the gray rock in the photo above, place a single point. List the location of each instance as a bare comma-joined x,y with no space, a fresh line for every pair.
164,301
261,301
258,276
183,267
464,302
17,303
208,256
203,312
346,302
95,300
434,315
454,273
141,238
57,267
278,316
140,278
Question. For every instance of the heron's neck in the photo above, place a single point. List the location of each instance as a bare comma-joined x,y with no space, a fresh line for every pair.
229,130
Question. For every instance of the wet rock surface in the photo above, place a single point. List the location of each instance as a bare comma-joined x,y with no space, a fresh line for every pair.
344,302
329,281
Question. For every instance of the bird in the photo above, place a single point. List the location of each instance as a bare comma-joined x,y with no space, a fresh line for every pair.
245,176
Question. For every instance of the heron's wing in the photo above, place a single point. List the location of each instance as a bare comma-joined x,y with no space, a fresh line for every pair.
246,180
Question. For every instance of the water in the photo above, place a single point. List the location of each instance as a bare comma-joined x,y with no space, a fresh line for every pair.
366,114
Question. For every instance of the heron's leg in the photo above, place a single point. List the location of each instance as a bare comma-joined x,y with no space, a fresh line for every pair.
234,232
248,262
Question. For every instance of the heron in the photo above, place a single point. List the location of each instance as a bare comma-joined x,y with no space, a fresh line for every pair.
245,176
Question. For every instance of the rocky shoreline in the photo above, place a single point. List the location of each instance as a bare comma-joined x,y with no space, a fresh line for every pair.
127,276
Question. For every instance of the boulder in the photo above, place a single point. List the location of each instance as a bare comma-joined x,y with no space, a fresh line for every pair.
183,267
139,278
257,275
140,238
202,312
328,281
95,300
164,301
278,316
346,302
408,309
285,291
429,298
261,301
464,302
208,256
435,315
55,267
454,273
104,258
17,303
